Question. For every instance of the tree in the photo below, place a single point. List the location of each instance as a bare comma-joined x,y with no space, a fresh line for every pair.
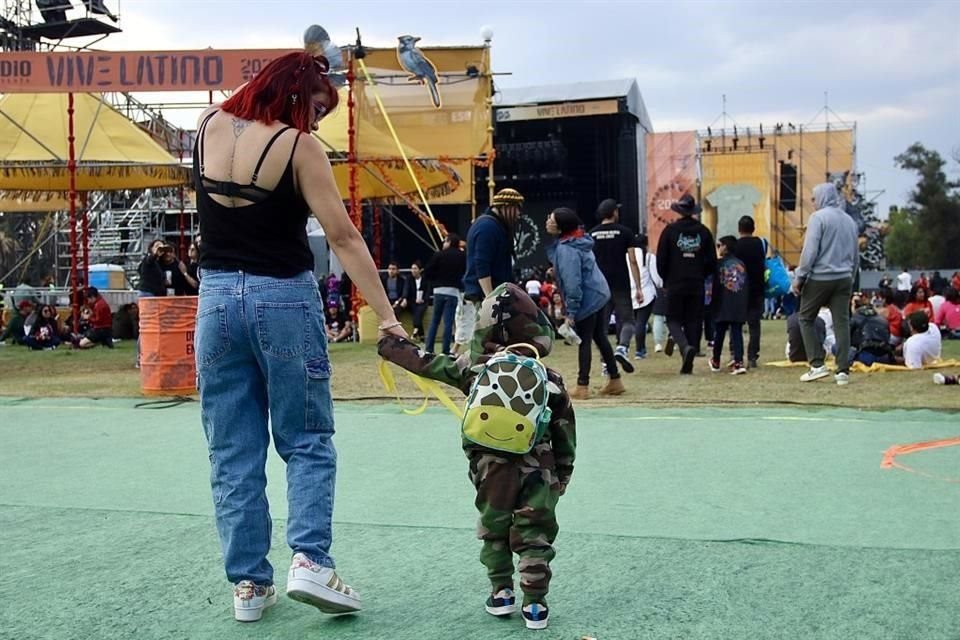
904,240
928,233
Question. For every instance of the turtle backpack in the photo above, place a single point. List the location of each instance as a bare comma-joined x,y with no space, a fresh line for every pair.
506,409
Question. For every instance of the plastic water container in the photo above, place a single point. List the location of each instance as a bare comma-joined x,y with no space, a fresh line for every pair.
107,276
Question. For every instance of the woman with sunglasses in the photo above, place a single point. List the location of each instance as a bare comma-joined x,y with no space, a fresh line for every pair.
260,342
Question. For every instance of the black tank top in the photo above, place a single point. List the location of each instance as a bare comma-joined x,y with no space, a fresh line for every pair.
267,237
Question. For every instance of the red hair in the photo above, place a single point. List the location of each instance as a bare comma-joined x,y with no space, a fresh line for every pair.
283,91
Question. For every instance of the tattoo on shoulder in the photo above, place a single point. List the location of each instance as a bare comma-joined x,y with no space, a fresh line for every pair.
239,126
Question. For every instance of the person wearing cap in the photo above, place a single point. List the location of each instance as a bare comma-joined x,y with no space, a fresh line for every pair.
489,257
612,243
686,256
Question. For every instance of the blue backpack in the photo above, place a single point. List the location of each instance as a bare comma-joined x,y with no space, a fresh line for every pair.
775,274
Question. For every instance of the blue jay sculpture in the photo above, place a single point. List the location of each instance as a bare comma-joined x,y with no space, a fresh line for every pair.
418,66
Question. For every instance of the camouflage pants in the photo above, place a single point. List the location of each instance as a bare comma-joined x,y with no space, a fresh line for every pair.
517,497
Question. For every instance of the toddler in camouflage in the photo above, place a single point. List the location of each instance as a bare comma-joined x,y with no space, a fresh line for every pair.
517,494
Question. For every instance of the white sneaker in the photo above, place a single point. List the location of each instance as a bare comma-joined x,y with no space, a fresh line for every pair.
658,348
319,586
536,615
842,378
815,373
249,600
501,603
938,378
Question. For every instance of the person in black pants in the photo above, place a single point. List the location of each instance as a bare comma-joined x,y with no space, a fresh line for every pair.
752,251
685,257
445,273
418,298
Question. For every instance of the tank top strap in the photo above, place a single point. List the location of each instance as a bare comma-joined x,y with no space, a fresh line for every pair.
266,150
203,128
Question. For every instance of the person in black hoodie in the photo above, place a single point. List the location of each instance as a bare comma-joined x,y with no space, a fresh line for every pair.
730,302
685,257
445,274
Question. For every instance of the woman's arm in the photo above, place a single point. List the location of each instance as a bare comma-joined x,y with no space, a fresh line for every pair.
319,189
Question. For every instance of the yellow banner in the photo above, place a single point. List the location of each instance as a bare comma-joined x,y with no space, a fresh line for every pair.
457,128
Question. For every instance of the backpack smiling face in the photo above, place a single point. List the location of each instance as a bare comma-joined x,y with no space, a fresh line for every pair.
507,407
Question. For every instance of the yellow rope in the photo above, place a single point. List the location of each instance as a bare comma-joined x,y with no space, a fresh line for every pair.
396,140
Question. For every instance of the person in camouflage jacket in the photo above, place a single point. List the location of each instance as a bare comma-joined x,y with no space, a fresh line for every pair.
516,494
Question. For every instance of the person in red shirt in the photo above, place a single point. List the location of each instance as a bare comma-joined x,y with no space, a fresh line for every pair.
891,312
955,280
918,302
101,322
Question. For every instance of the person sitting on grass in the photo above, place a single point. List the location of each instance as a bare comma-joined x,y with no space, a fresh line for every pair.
338,324
44,330
948,315
923,345
14,332
517,492
101,322
918,302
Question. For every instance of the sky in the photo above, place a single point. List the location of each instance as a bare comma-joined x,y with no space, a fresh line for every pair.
892,67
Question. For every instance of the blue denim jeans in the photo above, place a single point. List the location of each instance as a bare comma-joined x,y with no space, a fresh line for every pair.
444,307
262,365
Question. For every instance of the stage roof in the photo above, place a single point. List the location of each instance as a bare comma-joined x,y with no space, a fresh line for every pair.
579,91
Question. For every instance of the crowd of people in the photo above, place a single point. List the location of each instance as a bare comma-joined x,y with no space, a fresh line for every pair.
41,327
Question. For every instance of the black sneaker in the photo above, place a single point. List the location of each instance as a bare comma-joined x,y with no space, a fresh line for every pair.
689,354
620,353
751,364
668,350
536,615
502,603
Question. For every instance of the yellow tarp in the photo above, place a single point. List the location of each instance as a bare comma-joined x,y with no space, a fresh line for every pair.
876,367
112,152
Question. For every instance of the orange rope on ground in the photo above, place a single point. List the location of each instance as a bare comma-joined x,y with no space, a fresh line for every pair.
890,455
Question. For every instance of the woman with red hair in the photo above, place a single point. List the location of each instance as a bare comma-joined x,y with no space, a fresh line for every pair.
260,342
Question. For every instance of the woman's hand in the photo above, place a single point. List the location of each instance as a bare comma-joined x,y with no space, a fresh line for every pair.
571,322
392,328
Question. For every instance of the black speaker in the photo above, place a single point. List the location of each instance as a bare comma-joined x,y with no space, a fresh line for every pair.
788,186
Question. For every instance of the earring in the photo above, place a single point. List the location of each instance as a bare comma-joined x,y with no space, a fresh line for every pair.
293,98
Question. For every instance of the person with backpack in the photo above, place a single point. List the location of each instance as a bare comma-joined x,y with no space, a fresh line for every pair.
731,300
870,336
519,434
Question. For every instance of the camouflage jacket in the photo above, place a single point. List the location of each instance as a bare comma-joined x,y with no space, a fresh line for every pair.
507,317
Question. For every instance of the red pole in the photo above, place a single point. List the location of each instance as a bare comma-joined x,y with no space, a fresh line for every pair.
72,170
355,210
85,272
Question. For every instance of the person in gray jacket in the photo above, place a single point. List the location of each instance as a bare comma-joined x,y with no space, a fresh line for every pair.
828,266
585,294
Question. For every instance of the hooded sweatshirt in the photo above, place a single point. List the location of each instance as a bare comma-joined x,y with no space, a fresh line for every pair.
686,256
584,289
507,316
831,249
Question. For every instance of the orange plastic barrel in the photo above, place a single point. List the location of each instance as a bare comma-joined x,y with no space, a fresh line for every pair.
167,364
